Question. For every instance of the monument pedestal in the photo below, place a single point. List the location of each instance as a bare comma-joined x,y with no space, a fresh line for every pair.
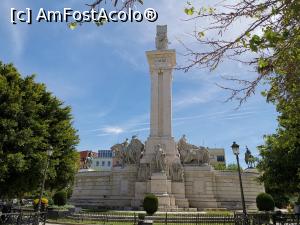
160,186
170,194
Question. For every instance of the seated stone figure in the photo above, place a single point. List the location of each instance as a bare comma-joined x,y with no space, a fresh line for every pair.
176,170
128,153
191,154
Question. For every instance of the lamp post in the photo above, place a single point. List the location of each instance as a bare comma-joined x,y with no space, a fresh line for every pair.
49,153
236,151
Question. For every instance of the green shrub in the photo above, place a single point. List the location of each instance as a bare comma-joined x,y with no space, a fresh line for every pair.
141,216
265,202
150,204
219,166
60,198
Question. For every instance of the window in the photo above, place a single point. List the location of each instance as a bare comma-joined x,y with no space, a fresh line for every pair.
108,163
97,163
103,163
220,158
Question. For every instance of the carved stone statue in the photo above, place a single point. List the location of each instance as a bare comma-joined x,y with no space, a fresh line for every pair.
119,154
176,171
128,153
135,150
191,154
161,39
160,159
88,161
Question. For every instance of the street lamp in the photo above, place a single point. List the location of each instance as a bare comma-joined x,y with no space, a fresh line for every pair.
236,151
49,153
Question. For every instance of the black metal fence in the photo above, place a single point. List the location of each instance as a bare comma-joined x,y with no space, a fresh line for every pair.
23,218
267,218
188,219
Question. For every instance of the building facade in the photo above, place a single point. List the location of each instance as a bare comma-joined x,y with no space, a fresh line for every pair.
217,156
103,161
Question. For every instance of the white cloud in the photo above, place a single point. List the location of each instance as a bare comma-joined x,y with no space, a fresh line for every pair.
113,130
129,127
17,33
193,97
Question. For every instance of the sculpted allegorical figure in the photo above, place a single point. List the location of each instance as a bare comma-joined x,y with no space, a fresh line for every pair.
89,161
135,150
176,170
161,39
160,159
191,154
128,153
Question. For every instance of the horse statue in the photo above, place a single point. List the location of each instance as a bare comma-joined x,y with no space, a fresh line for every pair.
249,158
192,154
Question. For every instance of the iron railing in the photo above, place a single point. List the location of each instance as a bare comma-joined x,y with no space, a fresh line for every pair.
188,218
22,218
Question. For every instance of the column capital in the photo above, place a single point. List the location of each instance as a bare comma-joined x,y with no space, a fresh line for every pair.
161,59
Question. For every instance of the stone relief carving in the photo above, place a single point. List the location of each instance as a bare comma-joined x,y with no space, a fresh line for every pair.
128,153
192,154
161,39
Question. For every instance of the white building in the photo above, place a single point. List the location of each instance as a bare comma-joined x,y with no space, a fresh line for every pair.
217,155
103,161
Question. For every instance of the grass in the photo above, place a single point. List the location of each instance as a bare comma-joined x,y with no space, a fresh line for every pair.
73,221
114,212
85,222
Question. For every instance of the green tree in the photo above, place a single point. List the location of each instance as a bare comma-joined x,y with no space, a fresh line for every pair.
280,161
32,120
219,166
232,167
271,44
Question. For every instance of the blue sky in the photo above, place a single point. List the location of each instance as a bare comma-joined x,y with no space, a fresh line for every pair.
102,73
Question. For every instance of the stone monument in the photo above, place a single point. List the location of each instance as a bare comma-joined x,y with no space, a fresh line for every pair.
161,157
179,174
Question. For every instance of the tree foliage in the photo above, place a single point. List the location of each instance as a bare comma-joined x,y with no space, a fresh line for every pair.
229,167
32,120
270,43
280,161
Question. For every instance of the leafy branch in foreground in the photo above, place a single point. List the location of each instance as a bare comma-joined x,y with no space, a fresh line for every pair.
271,35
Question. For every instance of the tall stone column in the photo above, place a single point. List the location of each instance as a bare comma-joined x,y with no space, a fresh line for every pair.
159,171
161,62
